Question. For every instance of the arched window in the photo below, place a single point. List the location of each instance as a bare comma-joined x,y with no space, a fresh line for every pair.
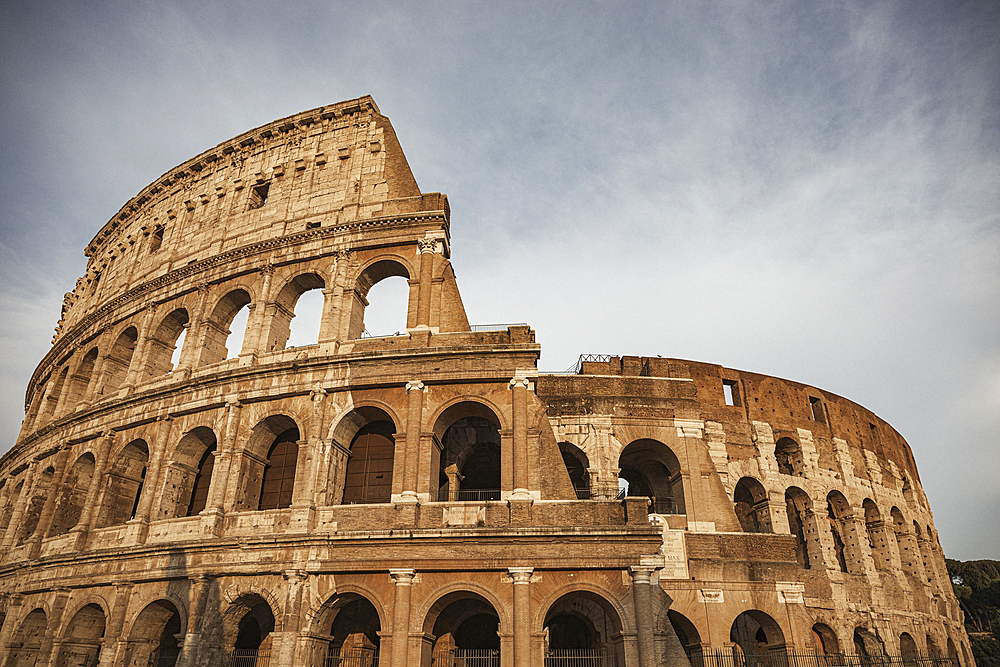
249,622
153,640
81,380
875,529
125,482
117,362
825,640
55,391
386,309
354,632
83,639
33,511
845,537
909,552
789,456
577,466
188,474
279,473
908,649
308,313
164,342
470,458
750,503
649,468
756,633
369,470
370,276
465,630
74,495
797,506
202,482
222,328
28,640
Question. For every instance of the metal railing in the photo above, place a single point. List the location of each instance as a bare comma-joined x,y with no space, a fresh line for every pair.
167,659
497,327
477,494
734,657
582,492
248,657
354,658
468,657
585,657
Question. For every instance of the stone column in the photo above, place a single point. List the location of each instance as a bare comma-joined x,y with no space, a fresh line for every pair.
82,527
7,630
223,458
257,338
403,579
139,526
307,468
643,602
426,248
95,381
521,577
22,500
333,301
414,423
137,365
291,621
48,652
113,645
197,603
519,427
193,342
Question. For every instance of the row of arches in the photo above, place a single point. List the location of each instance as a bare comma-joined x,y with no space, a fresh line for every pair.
855,536
200,332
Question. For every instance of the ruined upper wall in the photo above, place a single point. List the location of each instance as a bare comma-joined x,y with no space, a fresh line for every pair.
324,167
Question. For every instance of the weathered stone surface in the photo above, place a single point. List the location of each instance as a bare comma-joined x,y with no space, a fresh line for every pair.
426,493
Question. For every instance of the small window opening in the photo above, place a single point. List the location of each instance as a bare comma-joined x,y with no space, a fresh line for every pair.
816,405
313,225
258,195
731,392
175,356
156,240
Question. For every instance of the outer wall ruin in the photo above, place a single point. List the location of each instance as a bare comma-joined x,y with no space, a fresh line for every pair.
427,497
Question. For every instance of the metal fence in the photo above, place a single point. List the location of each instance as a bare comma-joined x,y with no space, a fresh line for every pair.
781,658
468,657
249,657
470,495
586,657
497,327
353,659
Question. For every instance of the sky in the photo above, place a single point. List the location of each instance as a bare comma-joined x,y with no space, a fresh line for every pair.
809,190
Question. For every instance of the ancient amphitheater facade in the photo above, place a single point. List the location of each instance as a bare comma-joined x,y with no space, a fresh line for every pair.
425,498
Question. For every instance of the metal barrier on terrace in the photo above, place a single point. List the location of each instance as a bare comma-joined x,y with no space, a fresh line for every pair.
497,327
474,495
585,657
249,657
353,659
468,657
655,506
783,658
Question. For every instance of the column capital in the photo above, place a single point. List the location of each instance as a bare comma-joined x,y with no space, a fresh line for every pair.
415,384
426,246
641,574
317,393
402,576
520,575
295,575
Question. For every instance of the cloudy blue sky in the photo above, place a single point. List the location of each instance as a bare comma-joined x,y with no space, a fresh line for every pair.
803,189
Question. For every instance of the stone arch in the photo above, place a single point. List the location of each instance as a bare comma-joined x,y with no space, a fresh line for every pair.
12,491
188,474
577,466
464,623
79,382
244,630
51,401
470,458
81,641
788,454
352,622
257,470
750,501
952,651
909,553
318,616
346,426
374,271
124,484
33,510
867,643
685,631
802,524
153,635
118,360
582,624
825,639
279,327
161,344
650,468
73,495
756,633
28,639
364,417
213,348
588,589
844,533
932,647
875,529
908,649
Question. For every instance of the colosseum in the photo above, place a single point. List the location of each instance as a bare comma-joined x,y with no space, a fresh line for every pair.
179,497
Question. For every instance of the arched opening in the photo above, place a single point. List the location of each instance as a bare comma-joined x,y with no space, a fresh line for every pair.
841,518
932,648
875,530
354,632
923,543
582,628
153,640
118,360
464,627
687,633
301,299
750,503
789,456
166,343
757,634
223,333
124,486
470,459
55,391
952,652
12,493
825,640
247,626
279,473
386,309
73,495
28,640
371,276
82,642
577,465
33,510
908,649
867,644
267,484
369,469
189,474
81,380
649,468
909,552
